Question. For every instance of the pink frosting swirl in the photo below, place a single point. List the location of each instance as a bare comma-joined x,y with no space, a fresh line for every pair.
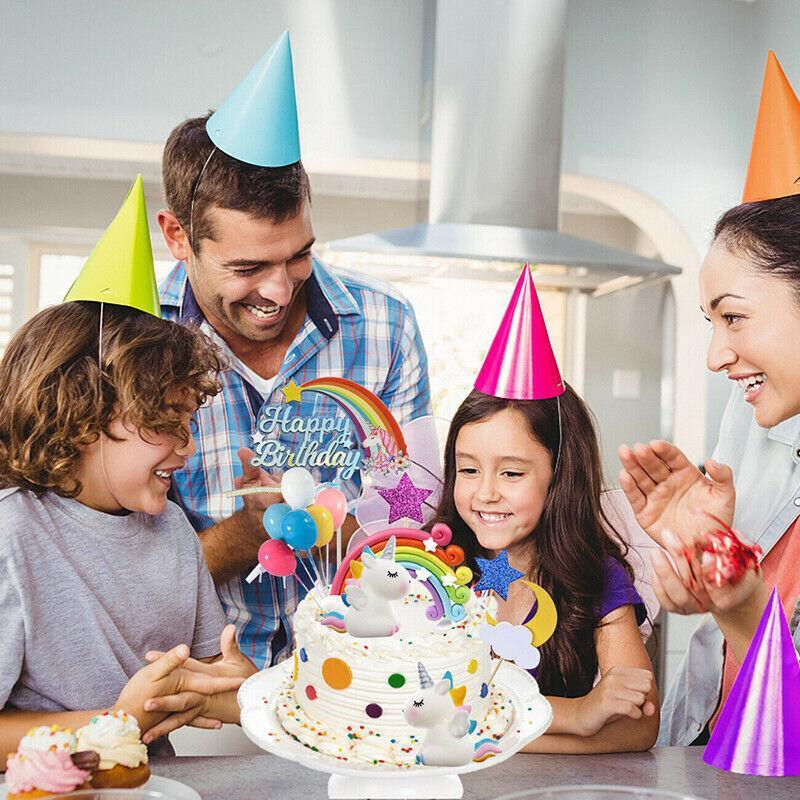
50,771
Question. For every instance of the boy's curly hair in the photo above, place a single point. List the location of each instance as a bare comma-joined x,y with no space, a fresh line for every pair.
55,400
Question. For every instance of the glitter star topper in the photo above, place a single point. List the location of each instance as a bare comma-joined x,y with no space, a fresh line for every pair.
405,500
496,574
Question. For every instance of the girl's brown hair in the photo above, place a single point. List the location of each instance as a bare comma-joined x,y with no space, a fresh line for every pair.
56,400
573,539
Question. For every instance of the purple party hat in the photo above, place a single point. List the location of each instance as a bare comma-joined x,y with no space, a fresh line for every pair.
758,731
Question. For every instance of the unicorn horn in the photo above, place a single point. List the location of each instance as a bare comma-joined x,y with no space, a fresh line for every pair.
388,551
425,681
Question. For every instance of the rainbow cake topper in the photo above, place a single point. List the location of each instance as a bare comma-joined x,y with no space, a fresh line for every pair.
429,557
377,433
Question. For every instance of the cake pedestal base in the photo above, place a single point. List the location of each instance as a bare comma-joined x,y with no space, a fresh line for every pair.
384,787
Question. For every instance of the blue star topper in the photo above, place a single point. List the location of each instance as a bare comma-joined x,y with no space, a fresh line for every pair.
497,574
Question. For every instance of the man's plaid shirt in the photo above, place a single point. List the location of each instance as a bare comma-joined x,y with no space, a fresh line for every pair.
356,328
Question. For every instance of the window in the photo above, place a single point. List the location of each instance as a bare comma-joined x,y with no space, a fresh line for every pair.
6,303
457,316
57,271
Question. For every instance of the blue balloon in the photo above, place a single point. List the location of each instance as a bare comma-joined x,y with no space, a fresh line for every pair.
299,530
273,519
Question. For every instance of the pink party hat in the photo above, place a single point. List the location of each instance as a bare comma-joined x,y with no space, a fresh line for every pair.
520,364
758,731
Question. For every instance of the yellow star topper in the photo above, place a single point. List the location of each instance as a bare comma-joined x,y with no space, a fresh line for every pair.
291,392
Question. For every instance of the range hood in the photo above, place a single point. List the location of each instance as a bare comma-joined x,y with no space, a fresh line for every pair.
495,161
467,250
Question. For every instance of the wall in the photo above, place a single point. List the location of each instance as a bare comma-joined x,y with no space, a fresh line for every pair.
132,70
623,332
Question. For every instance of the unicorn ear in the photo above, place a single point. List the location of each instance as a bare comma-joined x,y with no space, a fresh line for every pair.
368,558
442,687
388,551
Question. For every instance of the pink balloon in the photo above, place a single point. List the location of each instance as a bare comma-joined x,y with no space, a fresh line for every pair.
277,558
335,501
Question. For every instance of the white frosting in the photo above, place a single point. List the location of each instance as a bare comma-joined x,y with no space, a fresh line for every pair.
47,737
115,736
320,718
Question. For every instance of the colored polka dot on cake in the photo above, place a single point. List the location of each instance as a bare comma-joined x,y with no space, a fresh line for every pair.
374,711
336,673
484,690
311,692
303,655
397,681
472,667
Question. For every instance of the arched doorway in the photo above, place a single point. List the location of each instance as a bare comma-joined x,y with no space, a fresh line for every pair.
655,230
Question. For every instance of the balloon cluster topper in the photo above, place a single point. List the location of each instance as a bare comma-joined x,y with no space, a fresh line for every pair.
428,557
437,709
307,519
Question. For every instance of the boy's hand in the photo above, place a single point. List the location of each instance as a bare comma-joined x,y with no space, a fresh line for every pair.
231,663
621,692
199,710
255,476
165,676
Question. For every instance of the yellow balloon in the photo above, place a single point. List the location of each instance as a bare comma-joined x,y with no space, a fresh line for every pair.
544,620
324,520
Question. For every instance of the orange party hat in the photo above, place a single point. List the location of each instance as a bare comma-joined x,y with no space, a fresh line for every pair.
774,168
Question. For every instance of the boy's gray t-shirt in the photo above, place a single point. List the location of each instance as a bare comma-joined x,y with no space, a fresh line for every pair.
84,595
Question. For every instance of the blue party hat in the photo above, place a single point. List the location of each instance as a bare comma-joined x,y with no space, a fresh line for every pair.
257,124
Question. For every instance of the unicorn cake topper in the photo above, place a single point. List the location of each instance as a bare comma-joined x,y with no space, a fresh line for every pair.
429,558
447,726
370,613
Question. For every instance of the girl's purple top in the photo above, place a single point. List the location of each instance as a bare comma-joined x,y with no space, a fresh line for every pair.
618,591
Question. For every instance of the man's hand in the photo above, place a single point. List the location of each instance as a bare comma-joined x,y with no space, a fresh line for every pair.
231,546
200,710
667,492
255,476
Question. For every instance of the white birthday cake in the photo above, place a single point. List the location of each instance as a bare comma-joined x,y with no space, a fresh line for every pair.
352,696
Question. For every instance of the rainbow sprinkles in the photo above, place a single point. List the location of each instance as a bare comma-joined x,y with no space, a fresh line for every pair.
429,557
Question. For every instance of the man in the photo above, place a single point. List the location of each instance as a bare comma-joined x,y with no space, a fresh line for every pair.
242,234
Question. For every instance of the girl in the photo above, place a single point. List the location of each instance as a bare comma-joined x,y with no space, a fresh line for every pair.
511,481
96,565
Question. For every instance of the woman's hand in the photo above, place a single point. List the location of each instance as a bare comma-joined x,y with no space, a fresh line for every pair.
668,492
684,583
621,692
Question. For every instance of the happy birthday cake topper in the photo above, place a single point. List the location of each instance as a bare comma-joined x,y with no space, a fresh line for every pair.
363,435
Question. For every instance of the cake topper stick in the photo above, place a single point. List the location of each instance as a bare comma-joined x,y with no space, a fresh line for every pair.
494,671
252,490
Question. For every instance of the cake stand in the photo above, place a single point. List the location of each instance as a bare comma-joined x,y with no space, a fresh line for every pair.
258,697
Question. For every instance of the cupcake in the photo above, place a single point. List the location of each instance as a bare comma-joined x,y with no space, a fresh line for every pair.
115,737
48,737
43,773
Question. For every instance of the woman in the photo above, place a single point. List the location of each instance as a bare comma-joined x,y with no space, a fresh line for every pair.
750,293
